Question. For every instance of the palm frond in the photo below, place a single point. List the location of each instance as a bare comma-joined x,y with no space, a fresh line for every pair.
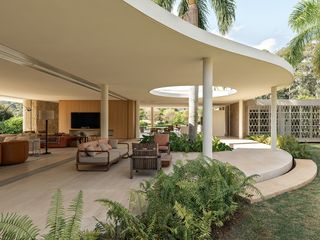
225,14
56,216
297,44
125,222
14,227
166,4
73,223
316,59
182,8
306,14
202,14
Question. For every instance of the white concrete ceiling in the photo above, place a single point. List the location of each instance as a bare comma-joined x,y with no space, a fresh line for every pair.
133,46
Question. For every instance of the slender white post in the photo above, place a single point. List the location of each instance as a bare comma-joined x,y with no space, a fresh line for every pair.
207,106
137,119
274,118
152,118
104,112
241,119
193,112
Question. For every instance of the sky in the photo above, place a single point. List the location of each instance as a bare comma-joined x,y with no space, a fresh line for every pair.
260,23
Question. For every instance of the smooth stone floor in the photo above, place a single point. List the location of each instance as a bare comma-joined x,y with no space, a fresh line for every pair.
31,195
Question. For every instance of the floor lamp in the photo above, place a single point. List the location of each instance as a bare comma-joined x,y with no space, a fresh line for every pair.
46,115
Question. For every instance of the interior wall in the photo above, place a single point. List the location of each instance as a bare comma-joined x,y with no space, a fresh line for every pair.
219,123
234,119
121,115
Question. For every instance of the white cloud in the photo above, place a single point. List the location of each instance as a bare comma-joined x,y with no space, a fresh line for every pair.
237,28
267,44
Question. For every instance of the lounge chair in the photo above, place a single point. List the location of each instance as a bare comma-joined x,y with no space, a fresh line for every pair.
163,142
145,156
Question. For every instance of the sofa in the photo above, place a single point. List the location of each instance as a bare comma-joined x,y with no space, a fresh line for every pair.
13,152
100,154
57,140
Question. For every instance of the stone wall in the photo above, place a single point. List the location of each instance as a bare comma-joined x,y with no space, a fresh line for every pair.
34,121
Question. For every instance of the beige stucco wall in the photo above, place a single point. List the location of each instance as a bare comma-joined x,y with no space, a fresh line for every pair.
234,119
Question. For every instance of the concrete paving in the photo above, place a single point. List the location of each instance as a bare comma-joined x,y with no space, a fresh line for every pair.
31,195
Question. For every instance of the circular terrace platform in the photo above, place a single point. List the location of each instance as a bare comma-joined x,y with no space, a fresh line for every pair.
263,162
252,158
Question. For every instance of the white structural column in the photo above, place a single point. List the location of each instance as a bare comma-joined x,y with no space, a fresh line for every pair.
104,112
137,119
207,106
152,118
193,112
241,114
273,118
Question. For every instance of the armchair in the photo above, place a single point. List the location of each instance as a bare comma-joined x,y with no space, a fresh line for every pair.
145,156
163,142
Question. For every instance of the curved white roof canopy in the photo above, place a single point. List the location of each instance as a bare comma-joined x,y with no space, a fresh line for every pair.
133,46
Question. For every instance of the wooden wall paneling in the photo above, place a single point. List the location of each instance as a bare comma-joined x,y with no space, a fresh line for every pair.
131,119
119,116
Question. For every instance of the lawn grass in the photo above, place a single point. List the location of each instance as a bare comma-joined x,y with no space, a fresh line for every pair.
294,215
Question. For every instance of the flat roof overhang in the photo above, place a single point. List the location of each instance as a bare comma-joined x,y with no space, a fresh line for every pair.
133,46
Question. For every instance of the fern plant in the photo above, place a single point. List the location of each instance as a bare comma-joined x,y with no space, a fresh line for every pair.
15,227
186,204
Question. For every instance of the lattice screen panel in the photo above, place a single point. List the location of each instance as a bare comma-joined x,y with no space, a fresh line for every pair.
303,122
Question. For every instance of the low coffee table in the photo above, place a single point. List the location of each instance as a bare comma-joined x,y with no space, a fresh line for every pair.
166,159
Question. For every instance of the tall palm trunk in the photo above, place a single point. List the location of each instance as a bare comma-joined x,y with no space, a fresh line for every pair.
191,16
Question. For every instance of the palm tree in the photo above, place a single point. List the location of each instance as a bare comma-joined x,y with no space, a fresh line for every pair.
196,12
224,11
305,21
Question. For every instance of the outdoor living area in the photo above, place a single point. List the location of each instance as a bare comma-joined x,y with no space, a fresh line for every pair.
146,125
26,188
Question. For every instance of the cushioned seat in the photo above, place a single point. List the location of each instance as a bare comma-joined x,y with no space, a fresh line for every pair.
163,148
14,152
163,142
100,153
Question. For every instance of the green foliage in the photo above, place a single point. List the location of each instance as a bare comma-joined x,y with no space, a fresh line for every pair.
11,126
306,83
147,139
291,145
223,9
285,142
5,113
13,226
186,204
182,143
71,228
305,21
120,223
143,123
180,118
56,220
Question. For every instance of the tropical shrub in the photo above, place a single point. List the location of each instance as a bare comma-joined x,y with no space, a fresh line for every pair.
15,227
11,126
285,142
187,204
190,203
291,145
182,143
